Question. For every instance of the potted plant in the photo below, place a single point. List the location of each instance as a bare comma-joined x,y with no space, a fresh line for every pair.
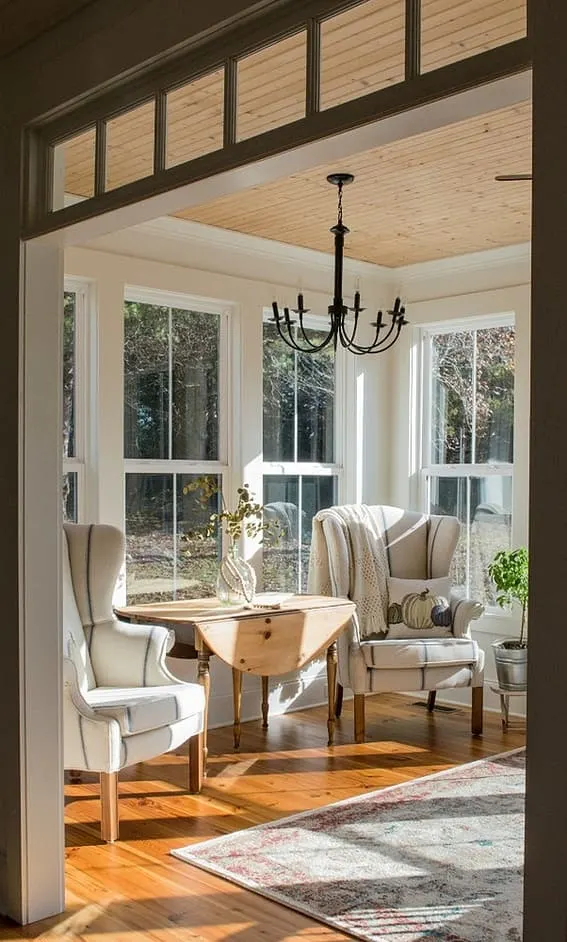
509,572
236,581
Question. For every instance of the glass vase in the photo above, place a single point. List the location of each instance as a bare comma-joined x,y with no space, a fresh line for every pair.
236,580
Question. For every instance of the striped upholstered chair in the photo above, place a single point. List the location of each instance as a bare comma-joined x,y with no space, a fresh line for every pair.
419,549
121,704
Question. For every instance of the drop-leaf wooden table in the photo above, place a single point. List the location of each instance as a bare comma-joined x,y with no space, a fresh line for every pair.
276,635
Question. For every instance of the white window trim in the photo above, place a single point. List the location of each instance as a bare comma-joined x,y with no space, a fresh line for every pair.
422,472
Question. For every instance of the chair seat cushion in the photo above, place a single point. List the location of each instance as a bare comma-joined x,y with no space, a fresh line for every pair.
139,709
432,652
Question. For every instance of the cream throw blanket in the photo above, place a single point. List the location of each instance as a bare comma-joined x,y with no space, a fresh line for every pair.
363,568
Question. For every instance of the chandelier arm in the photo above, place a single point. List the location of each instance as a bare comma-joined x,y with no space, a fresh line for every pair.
377,347
377,344
291,342
344,338
382,347
314,347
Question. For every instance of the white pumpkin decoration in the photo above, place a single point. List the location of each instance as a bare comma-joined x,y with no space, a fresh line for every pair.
417,608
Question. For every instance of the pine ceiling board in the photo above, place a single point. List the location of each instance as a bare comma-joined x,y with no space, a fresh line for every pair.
423,198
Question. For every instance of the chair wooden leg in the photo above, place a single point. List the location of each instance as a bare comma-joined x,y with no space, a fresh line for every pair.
477,716
196,764
359,717
339,700
431,700
109,806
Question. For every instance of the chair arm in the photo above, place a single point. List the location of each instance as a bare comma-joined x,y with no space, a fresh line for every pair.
463,611
126,655
91,742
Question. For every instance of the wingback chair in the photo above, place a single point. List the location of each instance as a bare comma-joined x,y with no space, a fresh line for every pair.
418,547
121,703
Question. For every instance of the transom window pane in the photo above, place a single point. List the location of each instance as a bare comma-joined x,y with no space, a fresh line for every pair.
165,558
299,394
171,382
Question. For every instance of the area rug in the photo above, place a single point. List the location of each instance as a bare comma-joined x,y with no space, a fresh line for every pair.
439,858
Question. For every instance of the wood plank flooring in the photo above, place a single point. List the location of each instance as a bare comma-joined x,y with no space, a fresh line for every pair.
134,890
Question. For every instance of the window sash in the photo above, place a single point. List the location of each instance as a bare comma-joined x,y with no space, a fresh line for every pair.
427,470
189,303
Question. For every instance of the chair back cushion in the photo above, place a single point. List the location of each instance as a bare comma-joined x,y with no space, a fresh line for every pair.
419,546
75,644
96,553
91,563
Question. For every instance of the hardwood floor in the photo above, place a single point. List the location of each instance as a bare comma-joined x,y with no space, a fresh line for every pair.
135,890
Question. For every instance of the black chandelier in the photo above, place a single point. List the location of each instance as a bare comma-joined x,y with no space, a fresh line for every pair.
343,328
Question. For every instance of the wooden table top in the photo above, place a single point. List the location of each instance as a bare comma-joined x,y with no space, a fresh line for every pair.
202,611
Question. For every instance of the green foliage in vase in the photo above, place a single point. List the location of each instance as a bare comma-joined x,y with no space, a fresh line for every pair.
247,517
509,570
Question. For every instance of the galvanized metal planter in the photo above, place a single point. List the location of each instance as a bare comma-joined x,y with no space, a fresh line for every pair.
511,666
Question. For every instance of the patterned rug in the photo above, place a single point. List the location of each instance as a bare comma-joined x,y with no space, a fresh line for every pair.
440,858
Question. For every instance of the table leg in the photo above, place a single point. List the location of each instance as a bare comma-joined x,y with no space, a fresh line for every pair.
204,678
331,689
237,701
265,683
505,710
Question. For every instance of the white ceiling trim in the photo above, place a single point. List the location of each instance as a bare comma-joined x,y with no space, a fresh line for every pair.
191,233
461,264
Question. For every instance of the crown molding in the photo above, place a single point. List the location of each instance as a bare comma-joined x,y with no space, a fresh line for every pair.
463,264
184,230
191,233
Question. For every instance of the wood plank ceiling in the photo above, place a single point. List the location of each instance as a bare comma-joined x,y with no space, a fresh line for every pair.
423,198
427,197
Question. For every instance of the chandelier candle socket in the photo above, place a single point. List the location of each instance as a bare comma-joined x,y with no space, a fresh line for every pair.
344,319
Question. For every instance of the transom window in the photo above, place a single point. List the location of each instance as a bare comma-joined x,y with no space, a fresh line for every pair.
468,441
301,472
174,431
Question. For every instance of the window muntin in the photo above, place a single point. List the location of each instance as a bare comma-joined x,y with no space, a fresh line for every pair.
301,474
468,442
175,399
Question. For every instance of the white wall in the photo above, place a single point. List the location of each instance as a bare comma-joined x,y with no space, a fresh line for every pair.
245,274
455,289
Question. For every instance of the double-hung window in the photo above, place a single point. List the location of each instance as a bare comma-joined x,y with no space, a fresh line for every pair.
175,379
467,441
300,466
75,330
